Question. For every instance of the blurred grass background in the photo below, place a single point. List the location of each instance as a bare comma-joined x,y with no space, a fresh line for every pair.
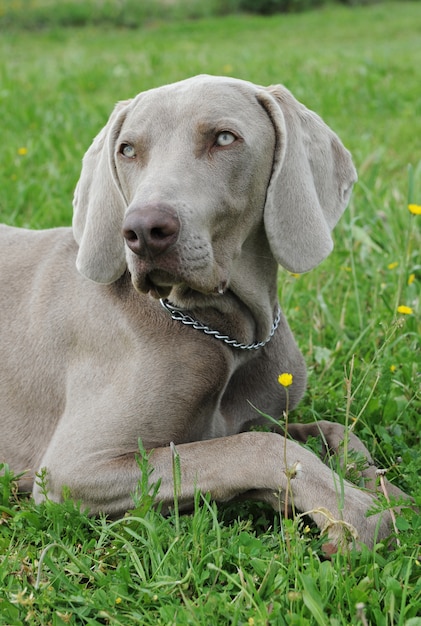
134,13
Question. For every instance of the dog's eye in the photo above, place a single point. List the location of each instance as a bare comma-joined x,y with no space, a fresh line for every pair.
127,150
225,138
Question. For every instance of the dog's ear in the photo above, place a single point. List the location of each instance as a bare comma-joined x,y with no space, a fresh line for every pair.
99,205
311,182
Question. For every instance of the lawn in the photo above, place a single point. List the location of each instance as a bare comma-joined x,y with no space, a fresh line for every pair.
360,69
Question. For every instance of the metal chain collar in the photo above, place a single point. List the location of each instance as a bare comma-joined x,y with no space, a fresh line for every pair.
178,315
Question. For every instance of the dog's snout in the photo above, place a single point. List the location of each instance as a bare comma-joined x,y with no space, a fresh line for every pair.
151,229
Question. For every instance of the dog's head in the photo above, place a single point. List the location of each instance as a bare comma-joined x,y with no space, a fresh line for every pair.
188,181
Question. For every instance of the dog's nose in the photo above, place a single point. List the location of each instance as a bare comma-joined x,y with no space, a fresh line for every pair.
151,229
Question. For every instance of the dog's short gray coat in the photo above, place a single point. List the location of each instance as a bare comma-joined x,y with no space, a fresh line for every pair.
194,191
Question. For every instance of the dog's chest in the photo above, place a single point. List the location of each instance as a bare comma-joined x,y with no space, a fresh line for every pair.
173,390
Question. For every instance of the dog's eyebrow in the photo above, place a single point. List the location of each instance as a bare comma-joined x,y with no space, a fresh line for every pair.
206,132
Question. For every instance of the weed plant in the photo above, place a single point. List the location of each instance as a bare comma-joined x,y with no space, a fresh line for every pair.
361,71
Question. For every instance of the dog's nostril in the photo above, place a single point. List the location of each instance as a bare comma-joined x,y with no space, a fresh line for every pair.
159,233
130,235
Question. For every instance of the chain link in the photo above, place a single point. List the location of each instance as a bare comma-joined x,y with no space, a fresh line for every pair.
179,316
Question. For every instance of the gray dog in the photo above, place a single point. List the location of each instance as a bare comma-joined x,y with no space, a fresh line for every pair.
156,315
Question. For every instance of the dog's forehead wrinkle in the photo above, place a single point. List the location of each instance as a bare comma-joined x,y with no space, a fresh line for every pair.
171,106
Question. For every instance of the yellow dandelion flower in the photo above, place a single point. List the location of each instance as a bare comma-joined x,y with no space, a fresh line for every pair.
22,151
411,279
250,621
415,209
118,600
392,266
393,368
285,379
405,310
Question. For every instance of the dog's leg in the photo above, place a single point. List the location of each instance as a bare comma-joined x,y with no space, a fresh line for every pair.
334,439
227,468
255,463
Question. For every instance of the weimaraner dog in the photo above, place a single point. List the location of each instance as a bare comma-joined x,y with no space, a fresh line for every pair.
156,317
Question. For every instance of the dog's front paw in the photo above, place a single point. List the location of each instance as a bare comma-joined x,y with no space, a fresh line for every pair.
356,525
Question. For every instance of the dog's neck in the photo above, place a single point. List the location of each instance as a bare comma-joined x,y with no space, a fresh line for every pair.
186,318
247,311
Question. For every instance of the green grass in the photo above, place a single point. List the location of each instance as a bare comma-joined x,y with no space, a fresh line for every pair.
34,14
361,71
